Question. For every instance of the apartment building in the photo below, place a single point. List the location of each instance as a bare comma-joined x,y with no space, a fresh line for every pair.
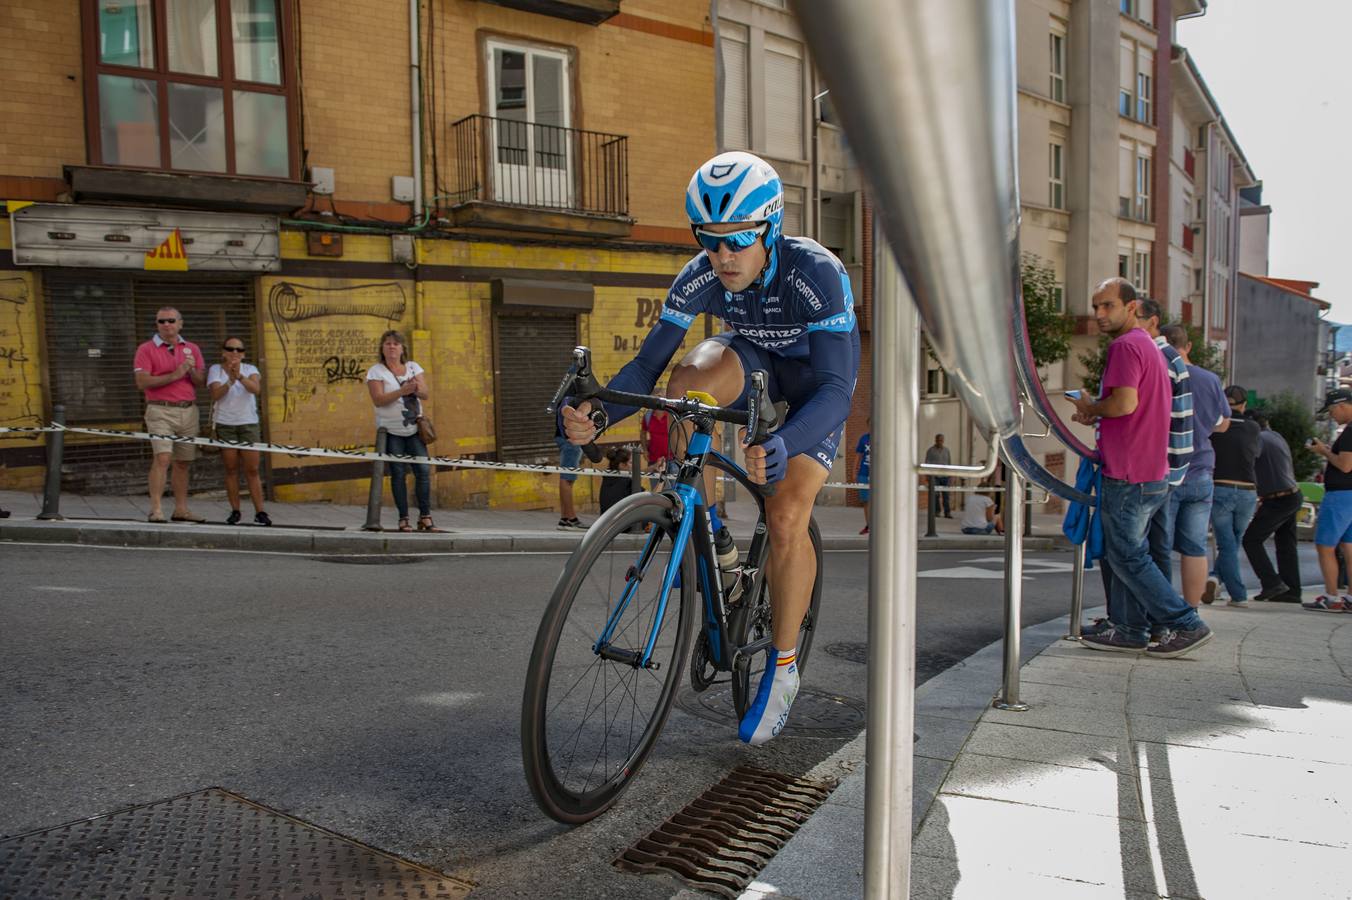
498,180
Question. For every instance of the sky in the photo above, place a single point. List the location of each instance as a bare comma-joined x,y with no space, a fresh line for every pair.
1279,69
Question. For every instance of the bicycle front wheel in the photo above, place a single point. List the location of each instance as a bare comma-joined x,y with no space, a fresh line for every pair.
757,624
591,711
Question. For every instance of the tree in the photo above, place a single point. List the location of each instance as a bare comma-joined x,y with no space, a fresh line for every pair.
1291,417
1049,329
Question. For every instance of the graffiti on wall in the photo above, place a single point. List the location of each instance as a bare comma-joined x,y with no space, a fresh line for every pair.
325,334
16,399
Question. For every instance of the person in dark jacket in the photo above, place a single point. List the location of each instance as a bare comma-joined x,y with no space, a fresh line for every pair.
1235,496
1279,501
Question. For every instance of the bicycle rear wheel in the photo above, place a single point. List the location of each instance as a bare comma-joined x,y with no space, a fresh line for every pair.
590,715
756,623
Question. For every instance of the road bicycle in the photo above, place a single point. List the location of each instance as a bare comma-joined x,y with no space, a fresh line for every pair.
617,634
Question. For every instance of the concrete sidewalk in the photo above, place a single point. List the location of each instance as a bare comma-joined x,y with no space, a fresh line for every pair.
1223,774
326,528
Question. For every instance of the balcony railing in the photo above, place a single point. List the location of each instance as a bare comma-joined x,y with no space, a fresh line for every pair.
517,163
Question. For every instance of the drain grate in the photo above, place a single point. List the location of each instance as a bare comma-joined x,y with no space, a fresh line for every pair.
208,844
854,651
815,713
722,839
371,559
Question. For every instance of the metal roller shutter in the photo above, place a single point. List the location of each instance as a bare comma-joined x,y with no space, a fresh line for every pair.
533,352
95,321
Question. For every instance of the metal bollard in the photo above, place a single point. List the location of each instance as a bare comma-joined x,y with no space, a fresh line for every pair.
1076,594
1027,511
377,484
1009,692
931,507
56,449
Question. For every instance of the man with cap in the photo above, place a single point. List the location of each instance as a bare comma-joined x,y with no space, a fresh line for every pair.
1334,526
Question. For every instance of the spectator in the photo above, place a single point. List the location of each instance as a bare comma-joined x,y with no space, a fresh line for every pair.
978,515
1190,503
863,450
938,455
234,386
1133,413
398,386
170,370
656,433
1279,501
613,490
1234,497
570,457
1334,525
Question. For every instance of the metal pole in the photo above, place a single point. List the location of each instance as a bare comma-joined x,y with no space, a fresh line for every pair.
56,449
1077,592
1009,693
377,484
931,506
891,606
635,468
1027,511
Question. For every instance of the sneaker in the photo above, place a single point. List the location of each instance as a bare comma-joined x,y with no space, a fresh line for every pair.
1238,604
568,524
1288,597
262,518
1209,592
1325,603
233,518
1098,626
1177,643
1271,593
1112,639
1158,633
864,530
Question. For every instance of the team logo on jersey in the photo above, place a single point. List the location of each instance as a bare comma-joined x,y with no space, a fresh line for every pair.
693,286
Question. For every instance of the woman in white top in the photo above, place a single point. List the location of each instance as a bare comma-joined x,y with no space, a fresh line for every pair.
978,515
398,386
234,386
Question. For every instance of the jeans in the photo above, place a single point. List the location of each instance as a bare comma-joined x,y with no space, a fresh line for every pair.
1139,594
1275,517
1161,533
942,482
411,445
1231,510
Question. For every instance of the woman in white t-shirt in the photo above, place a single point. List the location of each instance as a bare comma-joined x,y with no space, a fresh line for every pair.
234,387
978,515
398,386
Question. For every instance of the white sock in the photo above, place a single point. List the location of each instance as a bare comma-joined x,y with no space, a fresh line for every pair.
770,710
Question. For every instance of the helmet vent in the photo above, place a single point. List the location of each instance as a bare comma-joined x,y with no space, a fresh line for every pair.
723,205
708,206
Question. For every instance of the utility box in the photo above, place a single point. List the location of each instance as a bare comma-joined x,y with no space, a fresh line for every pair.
401,188
401,248
321,179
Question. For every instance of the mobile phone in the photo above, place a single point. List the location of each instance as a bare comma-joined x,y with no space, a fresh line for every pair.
1309,442
1074,395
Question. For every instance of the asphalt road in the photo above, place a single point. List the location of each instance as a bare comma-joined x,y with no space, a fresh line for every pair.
380,701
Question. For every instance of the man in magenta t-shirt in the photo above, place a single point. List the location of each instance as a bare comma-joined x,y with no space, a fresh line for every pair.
1133,413
170,370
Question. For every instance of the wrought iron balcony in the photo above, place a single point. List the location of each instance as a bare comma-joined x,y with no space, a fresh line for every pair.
515,163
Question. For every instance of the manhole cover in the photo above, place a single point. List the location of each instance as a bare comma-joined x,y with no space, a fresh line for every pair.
371,559
814,714
854,651
723,838
209,844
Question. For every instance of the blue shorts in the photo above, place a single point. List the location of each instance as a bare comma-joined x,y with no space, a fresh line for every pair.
863,496
570,457
791,380
1334,525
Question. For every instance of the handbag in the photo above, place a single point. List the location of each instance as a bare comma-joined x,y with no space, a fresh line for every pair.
426,431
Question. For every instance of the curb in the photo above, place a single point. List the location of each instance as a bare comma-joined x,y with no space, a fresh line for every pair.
353,543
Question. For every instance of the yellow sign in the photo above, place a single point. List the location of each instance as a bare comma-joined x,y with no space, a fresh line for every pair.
169,256
13,206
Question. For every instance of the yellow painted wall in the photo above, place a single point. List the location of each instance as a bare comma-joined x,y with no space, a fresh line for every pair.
21,386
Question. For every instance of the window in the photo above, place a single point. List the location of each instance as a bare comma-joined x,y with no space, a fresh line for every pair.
1059,297
783,98
1197,280
1140,271
529,105
1143,98
1141,209
793,210
1058,67
1123,262
1124,103
936,383
190,86
732,39
1219,299
1056,176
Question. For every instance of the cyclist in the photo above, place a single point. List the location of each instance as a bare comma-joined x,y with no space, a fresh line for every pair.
787,304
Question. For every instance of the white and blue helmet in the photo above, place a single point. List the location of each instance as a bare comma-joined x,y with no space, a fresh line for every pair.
736,187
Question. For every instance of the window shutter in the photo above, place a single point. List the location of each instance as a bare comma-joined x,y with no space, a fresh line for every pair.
784,100
736,133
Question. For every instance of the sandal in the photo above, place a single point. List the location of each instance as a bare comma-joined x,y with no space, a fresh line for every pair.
404,526
425,524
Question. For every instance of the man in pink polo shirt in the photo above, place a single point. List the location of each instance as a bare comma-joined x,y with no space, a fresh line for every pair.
169,370
1133,414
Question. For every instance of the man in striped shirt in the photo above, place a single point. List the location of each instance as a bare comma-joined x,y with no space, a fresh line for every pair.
1180,433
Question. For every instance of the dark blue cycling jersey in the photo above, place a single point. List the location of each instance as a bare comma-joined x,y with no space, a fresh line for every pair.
801,309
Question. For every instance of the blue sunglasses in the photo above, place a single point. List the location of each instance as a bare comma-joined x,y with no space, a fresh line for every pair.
737,241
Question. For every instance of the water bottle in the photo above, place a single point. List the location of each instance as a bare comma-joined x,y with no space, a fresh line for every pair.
726,551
